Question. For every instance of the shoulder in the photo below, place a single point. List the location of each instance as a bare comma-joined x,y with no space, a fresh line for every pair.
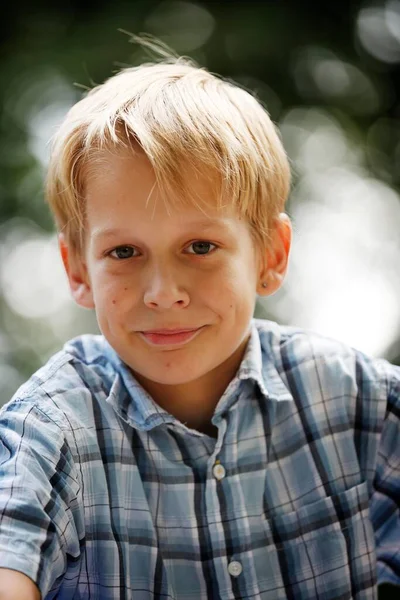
303,343
302,354
83,369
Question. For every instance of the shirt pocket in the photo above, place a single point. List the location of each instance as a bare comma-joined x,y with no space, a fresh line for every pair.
325,549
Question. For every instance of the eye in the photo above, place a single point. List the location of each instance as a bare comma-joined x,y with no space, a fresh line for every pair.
201,248
122,252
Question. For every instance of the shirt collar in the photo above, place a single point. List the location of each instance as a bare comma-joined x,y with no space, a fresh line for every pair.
131,401
259,361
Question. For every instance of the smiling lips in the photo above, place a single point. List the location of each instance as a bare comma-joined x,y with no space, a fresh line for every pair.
169,337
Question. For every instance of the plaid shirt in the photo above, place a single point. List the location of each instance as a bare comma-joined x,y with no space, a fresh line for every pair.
103,495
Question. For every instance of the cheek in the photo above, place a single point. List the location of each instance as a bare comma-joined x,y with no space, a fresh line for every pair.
237,279
229,295
109,294
240,291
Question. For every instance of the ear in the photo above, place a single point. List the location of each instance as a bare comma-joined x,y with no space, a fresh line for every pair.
274,260
77,273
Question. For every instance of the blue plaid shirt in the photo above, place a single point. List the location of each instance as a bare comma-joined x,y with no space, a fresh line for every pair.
106,496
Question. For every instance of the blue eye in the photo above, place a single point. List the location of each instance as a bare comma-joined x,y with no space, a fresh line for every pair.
122,252
201,248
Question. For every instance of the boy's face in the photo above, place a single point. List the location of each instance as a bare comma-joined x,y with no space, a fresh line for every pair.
174,290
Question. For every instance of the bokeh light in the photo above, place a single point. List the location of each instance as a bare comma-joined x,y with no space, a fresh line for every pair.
185,26
320,74
32,279
378,29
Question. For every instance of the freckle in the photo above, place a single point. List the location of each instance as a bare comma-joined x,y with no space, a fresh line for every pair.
125,289
231,306
114,301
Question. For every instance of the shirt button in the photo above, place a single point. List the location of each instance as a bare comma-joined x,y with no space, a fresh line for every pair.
235,568
218,471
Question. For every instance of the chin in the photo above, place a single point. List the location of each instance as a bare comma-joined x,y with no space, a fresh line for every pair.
171,372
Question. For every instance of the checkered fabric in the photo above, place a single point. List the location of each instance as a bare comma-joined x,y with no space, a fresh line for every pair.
104,495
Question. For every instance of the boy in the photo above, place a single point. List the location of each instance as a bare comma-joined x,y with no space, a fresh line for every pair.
190,451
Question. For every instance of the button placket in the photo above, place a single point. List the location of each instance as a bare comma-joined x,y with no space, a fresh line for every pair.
217,473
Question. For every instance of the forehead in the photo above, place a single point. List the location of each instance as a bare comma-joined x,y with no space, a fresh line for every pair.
122,182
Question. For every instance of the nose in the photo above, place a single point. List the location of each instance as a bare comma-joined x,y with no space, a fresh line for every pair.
163,290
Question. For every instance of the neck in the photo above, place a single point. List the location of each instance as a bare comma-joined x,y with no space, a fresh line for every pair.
194,402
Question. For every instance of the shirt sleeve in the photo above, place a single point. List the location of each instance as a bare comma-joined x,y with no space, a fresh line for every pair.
39,493
385,501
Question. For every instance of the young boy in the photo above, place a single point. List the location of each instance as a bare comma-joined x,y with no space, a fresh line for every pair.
190,451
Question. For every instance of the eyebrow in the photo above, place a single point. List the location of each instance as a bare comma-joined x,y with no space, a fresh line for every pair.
203,224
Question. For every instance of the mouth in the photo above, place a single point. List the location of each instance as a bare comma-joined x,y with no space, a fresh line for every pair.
169,337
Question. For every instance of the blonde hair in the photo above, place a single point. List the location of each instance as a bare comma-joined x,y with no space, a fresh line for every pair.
181,116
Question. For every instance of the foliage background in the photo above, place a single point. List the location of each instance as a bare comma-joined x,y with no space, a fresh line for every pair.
328,74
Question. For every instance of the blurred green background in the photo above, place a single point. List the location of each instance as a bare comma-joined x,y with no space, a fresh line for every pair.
329,75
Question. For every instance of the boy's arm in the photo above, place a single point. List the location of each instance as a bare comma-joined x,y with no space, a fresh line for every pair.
385,501
39,496
17,586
